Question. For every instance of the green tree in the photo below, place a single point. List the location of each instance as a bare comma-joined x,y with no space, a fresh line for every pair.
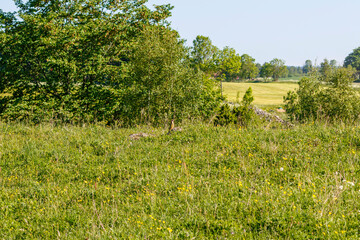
292,71
267,71
57,55
161,86
325,69
342,78
333,63
300,71
258,65
249,69
279,68
75,61
228,64
353,59
203,54
308,67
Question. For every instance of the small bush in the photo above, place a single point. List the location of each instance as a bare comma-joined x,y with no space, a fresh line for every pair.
325,97
225,116
240,115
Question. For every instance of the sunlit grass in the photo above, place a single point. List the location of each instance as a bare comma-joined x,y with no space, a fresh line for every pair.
264,93
203,183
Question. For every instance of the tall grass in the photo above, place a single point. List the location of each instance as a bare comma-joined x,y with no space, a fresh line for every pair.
206,182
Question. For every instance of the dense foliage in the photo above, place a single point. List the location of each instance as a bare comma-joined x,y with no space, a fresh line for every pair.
308,66
328,96
79,61
162,84
274,69
353,59
241,114
203,55
249,70
294,71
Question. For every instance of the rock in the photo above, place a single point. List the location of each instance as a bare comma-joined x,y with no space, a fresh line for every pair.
269,117
137,136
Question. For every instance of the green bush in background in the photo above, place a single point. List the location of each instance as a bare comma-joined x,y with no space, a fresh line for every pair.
330,97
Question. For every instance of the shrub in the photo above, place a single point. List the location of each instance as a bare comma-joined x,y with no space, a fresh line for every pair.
240,115
327,97
225,116
244,113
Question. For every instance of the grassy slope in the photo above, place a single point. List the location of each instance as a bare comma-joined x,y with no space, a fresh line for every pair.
204,182
264,93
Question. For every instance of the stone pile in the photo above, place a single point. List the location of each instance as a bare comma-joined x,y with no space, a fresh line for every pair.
270,117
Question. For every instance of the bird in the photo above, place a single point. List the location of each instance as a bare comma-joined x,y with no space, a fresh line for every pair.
172,126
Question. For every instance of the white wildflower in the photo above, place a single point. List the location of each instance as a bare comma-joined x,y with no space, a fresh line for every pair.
281,169
341,187
348,182
351,183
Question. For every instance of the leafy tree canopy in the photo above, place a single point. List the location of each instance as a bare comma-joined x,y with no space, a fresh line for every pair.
203,54
279,68
266,71
249,69
333,63
229,63
353,59
325,69
308,67
275,68
74,59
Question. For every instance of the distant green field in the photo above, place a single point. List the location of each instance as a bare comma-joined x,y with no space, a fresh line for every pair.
292,79
264,93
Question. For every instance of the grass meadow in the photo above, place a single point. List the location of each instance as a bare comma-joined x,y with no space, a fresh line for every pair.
206,182
264,93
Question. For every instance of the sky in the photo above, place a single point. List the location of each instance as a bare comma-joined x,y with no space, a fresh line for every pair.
291,30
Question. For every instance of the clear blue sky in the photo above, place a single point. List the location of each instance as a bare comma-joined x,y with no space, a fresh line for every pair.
291,30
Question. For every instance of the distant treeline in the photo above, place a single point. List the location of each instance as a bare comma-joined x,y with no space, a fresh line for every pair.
226,64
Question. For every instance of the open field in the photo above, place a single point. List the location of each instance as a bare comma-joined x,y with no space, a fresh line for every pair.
203,183
264,93
291,79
